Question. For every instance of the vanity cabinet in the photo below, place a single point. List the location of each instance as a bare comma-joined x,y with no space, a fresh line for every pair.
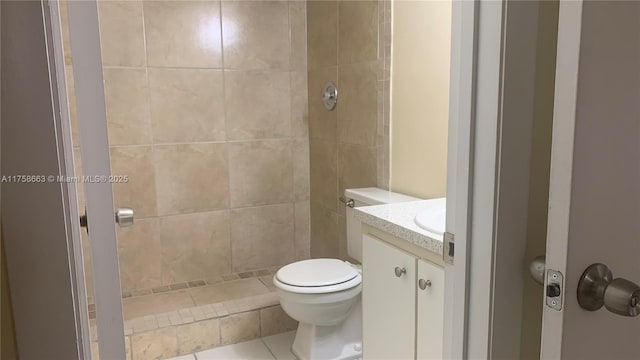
401,320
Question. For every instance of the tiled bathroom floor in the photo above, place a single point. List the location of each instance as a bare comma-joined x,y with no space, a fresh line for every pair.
275,347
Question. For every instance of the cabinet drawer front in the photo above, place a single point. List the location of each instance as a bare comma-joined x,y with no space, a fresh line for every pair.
430,311
388,301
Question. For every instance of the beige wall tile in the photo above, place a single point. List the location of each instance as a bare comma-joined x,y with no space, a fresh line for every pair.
323,157
127,105
323,124
64,22
139,192
324,232
322,33
191,178
258,104
301,169
195,246
357,167
121,33
88,263
358,31
303,226
299,104
187,105
255,34
156,344
239,327
298,31
198,336
262,237
73,113
183,33
357,115
139,255
260,173
273,320
228,290
140,306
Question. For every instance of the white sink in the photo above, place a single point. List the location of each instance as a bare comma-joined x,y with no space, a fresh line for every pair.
433,217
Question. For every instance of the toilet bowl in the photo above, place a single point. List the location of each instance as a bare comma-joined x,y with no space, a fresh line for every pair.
324,295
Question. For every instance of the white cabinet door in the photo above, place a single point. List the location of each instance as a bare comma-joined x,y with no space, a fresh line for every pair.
430,310
388,301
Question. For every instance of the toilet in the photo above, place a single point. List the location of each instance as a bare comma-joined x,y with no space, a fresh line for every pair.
323,295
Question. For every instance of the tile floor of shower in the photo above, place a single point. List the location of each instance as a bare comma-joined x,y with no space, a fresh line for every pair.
186,319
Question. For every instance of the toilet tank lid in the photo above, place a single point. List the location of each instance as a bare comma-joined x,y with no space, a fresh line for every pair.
377,196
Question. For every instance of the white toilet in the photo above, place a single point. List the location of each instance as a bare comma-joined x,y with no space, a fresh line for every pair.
323,295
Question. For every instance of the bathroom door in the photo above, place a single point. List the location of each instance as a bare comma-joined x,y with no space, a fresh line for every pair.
94,150
594,202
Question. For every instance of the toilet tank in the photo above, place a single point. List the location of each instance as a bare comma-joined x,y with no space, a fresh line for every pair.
366,197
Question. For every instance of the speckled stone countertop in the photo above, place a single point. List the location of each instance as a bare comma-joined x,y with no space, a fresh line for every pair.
397,219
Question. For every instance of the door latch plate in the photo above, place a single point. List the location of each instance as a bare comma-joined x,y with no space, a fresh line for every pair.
554,290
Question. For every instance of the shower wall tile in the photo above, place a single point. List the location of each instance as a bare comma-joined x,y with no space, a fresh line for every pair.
357,167
357,116
323,160
324,232
258,104
260,173
299,104
358,31
262,237
322,33
298,24
301,176
323,124
187,105
217,152
191,178
127,103
139,254
303,226
122,33
255,34
195,246
139,192
183,34
348,144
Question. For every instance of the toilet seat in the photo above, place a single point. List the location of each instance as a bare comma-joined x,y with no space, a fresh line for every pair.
315,276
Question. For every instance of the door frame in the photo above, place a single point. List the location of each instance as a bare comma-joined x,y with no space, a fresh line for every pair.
490,128
477,133
94,150
562,145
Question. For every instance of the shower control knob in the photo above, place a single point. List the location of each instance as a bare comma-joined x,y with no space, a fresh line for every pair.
400,271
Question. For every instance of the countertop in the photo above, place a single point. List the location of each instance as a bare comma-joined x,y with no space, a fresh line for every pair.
397,219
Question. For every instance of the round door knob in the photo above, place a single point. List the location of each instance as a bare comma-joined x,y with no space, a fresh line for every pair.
423,284
400,271
598,288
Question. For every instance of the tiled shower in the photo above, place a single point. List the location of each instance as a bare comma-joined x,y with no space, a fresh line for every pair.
235,168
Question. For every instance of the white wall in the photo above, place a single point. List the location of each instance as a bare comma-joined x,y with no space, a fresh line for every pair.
421,39
33,224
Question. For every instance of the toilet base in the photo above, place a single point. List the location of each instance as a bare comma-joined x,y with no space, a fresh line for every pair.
338,342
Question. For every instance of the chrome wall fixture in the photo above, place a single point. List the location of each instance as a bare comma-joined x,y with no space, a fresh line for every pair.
330,95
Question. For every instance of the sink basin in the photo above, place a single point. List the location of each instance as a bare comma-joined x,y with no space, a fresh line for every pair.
433,217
